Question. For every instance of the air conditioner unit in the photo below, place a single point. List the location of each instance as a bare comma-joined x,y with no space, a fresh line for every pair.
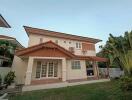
71,49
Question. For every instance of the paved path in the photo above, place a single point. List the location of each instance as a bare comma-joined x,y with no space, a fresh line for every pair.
3,96
59,85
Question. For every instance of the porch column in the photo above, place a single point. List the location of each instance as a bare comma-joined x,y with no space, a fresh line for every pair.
64,70
29,71
108,76
96,70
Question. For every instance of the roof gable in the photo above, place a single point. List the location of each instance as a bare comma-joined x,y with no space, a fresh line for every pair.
47,49
50,49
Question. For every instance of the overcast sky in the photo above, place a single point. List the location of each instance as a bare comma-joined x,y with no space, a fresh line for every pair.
91,18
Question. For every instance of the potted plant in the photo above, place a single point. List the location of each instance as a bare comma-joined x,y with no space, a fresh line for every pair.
9,79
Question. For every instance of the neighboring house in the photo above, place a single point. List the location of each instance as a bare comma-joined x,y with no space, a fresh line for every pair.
3,22
6,61
55,57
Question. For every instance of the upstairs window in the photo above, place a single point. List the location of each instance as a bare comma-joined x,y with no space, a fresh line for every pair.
41,40
76,64
78,45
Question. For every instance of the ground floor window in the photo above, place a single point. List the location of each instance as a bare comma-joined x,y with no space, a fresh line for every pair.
46,69
76,64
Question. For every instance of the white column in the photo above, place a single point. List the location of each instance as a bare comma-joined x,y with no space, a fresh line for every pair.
64,70
29,71
96,70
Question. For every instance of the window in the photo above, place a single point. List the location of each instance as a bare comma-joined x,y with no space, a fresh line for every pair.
55,69
46,69
76,65
50,70
78,45
38,70
41,40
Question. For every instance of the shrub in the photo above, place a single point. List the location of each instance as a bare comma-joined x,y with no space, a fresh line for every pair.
9,78
126,83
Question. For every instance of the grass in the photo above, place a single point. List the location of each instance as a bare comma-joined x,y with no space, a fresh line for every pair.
97,91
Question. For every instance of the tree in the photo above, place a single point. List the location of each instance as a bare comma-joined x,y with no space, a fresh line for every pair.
7,49
119,51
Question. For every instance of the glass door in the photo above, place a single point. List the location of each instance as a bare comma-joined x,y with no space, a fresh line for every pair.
47,69
44,69
50,69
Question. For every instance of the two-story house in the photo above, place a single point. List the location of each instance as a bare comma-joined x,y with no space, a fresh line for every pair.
55,57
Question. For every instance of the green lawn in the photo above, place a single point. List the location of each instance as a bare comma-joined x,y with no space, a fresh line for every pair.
97,91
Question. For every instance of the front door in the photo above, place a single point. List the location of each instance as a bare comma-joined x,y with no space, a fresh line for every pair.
47,69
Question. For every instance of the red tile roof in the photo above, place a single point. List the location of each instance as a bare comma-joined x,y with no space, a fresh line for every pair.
53,45
6,37
48,44
11,39
31,30
3,22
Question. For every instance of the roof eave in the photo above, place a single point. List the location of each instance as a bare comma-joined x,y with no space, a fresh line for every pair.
27,29
5,22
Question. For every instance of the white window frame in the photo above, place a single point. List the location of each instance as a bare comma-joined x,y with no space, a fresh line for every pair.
76,64
78,45
55,75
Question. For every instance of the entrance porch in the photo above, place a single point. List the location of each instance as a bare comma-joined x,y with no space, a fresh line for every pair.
44,70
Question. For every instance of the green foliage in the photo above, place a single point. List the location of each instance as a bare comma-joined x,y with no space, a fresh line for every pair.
9,78
119,51
126,83
7,49
97,91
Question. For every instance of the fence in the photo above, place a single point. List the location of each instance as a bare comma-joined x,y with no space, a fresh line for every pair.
113,72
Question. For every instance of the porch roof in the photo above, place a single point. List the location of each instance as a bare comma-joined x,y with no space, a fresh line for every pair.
54,50
93,58
51,50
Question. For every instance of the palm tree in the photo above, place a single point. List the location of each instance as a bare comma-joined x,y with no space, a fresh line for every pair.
119,51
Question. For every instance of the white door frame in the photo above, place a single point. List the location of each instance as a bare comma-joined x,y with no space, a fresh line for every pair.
47,70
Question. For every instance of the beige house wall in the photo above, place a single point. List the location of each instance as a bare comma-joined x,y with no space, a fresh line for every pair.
76,73
35,39
20,67
4,71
